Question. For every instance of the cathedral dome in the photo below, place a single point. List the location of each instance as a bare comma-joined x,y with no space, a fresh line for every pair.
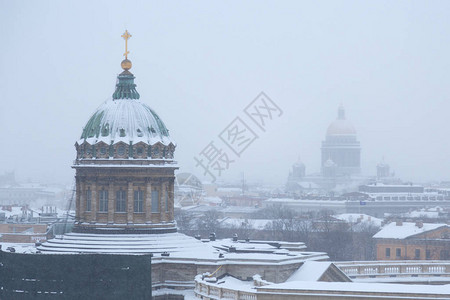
341,126
124,127
125,120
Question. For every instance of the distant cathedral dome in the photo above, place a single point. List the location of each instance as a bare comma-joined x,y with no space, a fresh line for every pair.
341,148
299,163
341,126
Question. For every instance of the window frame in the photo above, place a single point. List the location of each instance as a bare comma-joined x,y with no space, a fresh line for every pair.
417,254
138,203
121,201
103,201
155,200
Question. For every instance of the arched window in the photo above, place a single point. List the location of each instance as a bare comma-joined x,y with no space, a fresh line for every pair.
121,150
102,150
140,151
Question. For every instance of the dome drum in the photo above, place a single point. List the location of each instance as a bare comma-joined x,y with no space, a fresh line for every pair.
122,150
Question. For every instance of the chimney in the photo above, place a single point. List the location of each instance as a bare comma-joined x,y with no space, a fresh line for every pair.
419,224
399,223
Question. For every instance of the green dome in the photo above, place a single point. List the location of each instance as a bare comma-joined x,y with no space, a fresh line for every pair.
124,118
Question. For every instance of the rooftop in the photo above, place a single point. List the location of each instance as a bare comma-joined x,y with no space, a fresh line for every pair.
407,229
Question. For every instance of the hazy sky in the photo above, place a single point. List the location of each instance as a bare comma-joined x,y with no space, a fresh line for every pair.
199,63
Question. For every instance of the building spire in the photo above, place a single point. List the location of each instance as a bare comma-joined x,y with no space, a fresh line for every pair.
125,87
126,36
126,64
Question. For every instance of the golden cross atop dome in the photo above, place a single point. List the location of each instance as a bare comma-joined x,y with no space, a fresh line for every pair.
126,36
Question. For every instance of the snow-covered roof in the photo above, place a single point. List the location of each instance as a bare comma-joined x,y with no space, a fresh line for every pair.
381,184
310,271
180,247
229,282
425,212
359,218
405,230
125,120
336,287
15,211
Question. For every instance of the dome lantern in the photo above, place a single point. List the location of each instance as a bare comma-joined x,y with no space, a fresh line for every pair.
341,126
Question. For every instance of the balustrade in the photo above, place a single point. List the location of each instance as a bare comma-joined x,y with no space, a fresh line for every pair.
406,268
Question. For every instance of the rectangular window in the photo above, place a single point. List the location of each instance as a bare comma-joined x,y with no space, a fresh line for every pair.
428,254
103,201
388,252
155,201
167,199
417,254
398,252
121,201
139,201
88,199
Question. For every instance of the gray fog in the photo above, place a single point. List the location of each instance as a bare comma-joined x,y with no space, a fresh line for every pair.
199,63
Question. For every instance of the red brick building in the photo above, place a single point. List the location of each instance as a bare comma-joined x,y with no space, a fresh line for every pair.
418,241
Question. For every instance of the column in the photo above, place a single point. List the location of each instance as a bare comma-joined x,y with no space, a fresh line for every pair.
148,202
160,202
130,208
78,212
94,202
82,198
111,207
163,202
171,199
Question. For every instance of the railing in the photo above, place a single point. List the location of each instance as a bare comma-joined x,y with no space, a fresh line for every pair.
208,290
367,269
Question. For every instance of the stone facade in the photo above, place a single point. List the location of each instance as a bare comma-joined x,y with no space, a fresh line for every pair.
180,275
140,197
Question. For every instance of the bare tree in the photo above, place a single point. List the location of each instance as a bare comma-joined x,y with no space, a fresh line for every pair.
209,222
